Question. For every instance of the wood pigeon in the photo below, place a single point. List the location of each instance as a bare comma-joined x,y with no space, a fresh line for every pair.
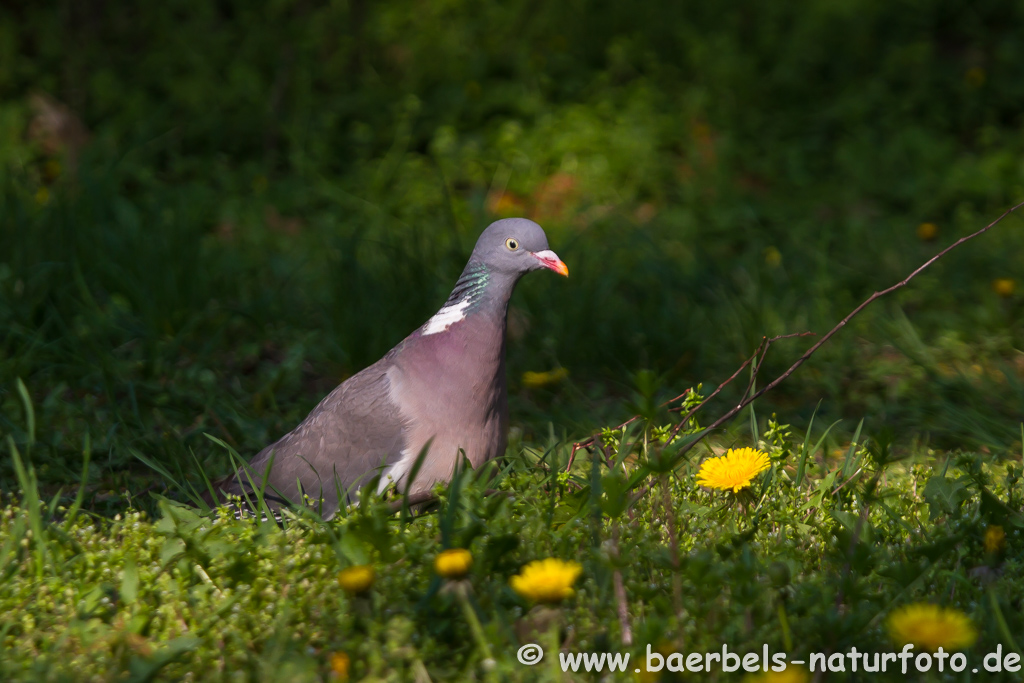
442,388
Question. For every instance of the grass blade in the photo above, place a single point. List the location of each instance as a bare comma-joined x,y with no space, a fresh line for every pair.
31,503
412,477
206,481
800,470
754,432
803,449
852,451
156,467
30,414
76,505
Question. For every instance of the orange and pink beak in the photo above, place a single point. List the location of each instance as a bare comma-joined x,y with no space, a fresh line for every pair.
549,259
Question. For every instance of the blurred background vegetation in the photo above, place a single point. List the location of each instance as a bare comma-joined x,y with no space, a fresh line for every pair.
213,212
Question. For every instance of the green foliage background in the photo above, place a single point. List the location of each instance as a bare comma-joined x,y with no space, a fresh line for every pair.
275,193
262,198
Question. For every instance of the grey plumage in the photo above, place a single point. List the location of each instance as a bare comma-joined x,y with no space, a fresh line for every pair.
443,385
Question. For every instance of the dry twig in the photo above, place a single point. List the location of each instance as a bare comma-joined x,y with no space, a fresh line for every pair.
758,356
842,323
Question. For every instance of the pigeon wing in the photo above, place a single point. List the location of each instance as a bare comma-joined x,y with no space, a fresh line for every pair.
342,443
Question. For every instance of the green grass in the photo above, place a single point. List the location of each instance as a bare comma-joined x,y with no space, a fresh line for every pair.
255,220
274,195
813,558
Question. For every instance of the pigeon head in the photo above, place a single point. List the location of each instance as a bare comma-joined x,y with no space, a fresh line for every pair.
514,246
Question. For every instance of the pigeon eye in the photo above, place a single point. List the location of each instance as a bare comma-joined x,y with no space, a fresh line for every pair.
512,243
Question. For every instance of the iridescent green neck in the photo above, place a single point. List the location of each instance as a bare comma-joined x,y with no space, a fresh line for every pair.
470,285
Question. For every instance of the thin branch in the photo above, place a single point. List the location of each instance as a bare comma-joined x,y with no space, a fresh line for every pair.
842,323
762,349
621,600
593,439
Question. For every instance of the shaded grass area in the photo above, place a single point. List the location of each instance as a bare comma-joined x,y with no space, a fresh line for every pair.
136,327
138,323
234,227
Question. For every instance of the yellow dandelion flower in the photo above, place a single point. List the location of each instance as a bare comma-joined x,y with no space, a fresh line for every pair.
995,539
772,257
547,580
1004,286
357,579
339,666
931,627
535,380
927,232
791,674
734,470
453,563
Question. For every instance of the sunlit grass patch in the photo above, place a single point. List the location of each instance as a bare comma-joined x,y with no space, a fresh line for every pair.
835,560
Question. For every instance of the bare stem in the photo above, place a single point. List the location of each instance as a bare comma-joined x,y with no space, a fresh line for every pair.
673,541
620,592
842,323
758,356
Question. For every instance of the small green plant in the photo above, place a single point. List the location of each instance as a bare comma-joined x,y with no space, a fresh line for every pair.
819,565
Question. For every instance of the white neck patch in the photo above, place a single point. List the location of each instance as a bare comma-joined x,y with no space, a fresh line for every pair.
446,317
